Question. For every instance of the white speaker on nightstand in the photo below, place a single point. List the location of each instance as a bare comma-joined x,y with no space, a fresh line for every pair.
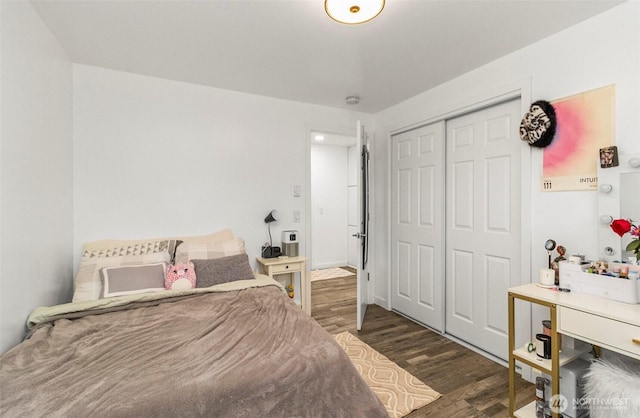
290,243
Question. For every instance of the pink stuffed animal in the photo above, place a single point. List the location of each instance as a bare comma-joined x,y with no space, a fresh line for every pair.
181,276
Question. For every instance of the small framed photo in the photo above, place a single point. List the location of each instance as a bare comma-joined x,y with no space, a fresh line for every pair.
609,157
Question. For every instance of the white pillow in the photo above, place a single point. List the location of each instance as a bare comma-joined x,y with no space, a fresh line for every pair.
88,284
131,280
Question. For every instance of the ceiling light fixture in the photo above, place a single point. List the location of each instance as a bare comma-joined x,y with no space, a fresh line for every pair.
319,138
353,12
352,100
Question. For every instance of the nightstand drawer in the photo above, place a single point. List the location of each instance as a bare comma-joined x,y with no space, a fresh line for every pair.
285,268
598,330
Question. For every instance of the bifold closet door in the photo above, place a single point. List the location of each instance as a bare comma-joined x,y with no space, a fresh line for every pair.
417,230
483,224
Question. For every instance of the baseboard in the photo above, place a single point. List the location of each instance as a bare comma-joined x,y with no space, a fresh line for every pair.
381,302
475,349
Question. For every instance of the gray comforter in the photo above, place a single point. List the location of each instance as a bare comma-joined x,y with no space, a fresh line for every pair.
238,353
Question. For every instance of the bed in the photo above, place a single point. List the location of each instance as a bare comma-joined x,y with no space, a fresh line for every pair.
236,348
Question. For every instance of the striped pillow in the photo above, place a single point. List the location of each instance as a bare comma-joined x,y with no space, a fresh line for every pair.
107,244
134,248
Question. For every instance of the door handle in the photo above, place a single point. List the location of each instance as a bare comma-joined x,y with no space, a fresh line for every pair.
359,235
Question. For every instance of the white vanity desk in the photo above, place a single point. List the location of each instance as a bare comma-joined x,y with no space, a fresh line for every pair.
603,322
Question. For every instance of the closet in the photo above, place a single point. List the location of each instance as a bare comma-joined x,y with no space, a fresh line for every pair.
455,224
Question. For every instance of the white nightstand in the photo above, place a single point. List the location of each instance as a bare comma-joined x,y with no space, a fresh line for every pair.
277,266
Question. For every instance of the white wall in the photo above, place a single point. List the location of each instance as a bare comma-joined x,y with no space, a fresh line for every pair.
154,157
329,204
601,51
35,170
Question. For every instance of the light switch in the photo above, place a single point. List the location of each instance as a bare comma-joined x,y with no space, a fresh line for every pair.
296,190
296,216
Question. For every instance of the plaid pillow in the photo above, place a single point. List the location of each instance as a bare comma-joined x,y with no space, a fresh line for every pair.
189,251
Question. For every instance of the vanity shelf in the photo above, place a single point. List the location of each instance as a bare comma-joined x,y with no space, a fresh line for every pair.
566,355
528,411
607,323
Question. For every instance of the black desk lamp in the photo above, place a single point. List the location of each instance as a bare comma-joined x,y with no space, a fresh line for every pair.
269,251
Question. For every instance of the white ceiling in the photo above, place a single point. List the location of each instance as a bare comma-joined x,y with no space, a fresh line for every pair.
290,49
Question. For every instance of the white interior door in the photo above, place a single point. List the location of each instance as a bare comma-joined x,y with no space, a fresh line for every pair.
363,213
353,210
417,232
483,224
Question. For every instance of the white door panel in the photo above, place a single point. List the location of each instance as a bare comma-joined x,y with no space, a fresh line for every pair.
417,262
463,194
426,263
461,283
483,224
499,270
497,213
404,278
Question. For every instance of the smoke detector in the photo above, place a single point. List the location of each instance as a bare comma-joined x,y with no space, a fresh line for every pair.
352,100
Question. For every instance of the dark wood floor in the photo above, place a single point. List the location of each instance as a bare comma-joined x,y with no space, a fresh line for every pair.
471,385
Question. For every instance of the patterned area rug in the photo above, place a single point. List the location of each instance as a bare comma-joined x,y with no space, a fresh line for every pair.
399,391
332,273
